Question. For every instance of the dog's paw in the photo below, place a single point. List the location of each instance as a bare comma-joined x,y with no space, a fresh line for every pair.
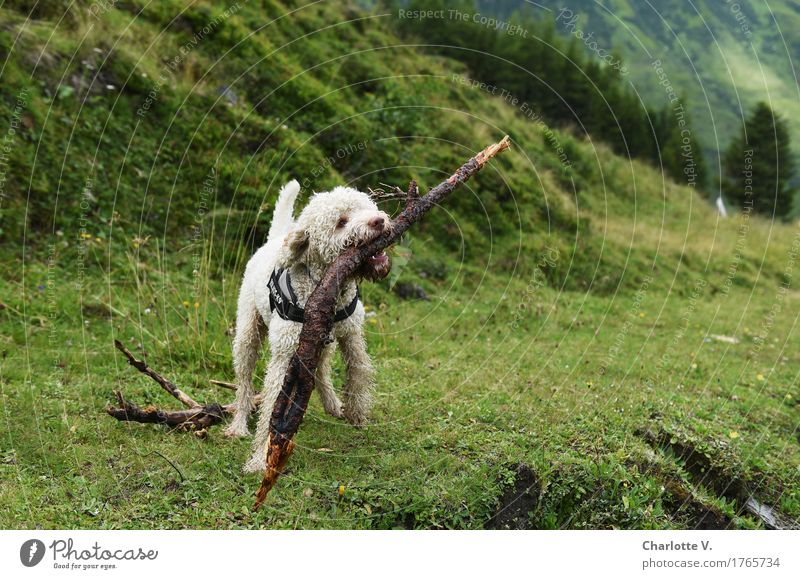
356,417
335,410
257,463
236,431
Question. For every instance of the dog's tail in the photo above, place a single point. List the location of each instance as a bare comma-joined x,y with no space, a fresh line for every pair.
282,218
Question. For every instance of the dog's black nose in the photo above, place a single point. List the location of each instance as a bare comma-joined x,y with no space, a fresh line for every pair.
377,223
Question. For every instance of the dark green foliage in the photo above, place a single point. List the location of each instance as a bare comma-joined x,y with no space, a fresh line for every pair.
676,146
560,80
759,166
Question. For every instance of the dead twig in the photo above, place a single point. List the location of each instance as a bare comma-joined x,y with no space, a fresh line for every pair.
197,418
142,366
226,385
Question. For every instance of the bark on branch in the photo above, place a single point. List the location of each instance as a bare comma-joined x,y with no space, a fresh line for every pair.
196,418
167,385
292,401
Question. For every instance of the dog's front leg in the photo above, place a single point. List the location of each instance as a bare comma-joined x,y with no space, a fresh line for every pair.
273,381
324,384
359,378
250,331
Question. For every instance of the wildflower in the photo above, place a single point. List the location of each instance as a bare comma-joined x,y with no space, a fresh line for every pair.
196,305
341,490
733,435
760,378
185,304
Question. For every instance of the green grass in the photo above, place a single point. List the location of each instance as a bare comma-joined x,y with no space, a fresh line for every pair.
564,345
462,398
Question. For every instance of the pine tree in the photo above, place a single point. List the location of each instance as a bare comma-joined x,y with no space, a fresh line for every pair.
573,86
758,165
681,155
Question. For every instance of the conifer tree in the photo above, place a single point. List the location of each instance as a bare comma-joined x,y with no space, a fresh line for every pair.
758,165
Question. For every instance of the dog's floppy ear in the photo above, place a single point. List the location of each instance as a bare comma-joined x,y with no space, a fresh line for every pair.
296,243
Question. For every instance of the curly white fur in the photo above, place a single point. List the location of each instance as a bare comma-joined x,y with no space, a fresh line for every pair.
330,222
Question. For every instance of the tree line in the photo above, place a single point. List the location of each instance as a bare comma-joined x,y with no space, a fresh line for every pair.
573,81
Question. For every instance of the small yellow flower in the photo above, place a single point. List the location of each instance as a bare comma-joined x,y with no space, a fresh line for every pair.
589,383
341,490
733,435
641,314
97,239
694,366
185,304
373,321
196,305
760,377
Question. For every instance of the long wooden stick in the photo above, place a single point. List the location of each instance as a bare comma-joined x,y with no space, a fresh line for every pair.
292,401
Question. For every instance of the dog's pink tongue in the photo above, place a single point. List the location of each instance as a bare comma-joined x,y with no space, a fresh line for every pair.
379,257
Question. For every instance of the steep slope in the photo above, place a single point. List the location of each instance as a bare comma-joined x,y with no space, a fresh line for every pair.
178,122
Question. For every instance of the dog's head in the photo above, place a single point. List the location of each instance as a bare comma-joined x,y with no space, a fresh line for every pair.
333,221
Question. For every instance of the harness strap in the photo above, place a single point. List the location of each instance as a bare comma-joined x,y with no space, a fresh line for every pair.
283,300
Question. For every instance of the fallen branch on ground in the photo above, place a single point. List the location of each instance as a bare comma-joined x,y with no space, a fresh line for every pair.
196,418
290,407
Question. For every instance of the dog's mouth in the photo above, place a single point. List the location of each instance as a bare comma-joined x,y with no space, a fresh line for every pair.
376,266
379,259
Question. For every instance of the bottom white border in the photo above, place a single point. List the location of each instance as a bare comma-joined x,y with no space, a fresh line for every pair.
376,554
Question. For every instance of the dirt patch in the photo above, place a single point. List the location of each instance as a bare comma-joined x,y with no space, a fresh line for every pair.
517,501
718,480
171,486
682,503
411,291
96,310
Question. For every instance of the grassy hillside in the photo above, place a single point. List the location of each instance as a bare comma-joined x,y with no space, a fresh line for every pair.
565,357
722,57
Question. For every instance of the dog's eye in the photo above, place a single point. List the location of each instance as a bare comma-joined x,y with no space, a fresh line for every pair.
342,222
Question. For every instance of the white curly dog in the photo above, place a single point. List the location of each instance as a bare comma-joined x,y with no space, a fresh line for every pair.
278,281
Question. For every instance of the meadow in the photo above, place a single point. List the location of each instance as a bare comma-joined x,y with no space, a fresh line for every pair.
598,347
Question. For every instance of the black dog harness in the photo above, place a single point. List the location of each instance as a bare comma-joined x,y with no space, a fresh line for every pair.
283,300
